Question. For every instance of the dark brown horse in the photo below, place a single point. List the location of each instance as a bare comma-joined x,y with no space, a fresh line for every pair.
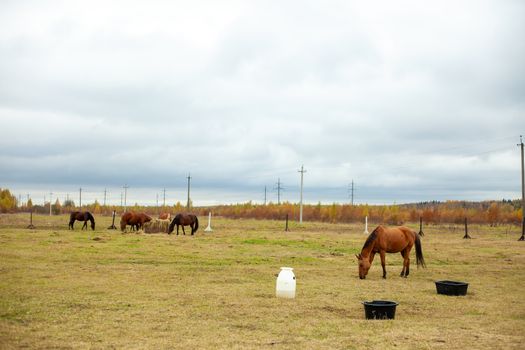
184,220
81,216
134,219
390,240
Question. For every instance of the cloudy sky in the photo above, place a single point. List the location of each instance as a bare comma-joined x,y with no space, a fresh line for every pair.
411,100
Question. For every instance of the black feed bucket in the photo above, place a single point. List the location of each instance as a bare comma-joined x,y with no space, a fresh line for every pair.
380,309
451,287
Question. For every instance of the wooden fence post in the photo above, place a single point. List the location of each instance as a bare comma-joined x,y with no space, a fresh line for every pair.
31,226
466,236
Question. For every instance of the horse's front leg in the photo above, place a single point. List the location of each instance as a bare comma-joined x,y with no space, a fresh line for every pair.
382,253
192,230
85,225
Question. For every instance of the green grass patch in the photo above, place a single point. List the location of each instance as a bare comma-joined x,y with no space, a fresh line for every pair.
104,289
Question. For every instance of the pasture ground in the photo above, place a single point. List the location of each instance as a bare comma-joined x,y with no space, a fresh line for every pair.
104,289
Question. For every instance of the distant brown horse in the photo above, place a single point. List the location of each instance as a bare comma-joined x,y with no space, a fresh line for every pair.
134,219
184,220
81,216
390,240
164,216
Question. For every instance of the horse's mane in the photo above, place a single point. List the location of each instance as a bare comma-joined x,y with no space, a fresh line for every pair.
371,238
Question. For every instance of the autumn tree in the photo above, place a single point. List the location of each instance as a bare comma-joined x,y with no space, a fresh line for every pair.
56,208
8,202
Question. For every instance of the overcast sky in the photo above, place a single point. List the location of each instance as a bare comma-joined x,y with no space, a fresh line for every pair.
412,100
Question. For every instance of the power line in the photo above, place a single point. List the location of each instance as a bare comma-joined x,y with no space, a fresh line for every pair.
125,187
188,203
352,192
522,238
279,188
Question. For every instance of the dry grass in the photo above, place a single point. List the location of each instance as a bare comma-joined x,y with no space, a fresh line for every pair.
104,289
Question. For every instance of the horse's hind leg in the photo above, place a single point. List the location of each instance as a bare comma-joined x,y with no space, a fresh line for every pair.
403,254
183,230
85,225
406,262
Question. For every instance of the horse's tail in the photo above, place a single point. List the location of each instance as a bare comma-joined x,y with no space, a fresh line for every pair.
71,220
419,252
196,223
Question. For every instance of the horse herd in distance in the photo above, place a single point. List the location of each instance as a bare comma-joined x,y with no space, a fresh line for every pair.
142,221
382,240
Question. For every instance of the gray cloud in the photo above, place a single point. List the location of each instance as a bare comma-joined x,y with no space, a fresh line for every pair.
413,102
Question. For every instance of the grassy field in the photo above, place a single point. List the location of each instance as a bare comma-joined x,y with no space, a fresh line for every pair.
104,289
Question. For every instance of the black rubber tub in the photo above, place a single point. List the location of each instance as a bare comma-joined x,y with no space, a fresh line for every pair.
380,309
451,287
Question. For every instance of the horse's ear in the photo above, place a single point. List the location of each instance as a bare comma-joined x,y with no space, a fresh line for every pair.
358,257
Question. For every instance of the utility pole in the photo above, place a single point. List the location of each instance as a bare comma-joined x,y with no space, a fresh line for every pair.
279,188
302,171
50,199
164,198
352,192
264,195
157,202
121,199
105,196
188,203
522,238
125,195
80,200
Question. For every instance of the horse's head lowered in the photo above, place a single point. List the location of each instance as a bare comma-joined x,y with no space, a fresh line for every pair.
364,266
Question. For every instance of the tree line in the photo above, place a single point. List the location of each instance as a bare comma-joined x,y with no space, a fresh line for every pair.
434,212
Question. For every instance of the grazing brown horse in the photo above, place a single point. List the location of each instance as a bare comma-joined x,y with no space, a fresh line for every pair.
184,220
81,216
134,219
390,240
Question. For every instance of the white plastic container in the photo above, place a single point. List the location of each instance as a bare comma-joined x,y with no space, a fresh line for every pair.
285,287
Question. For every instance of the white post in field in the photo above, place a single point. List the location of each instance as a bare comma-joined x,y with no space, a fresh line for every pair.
366,225
302,171
208,229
